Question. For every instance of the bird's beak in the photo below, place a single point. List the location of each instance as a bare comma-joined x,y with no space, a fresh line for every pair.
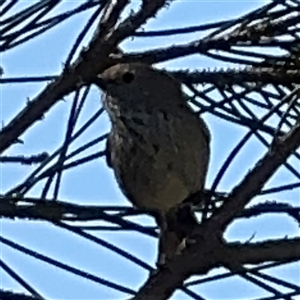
100,82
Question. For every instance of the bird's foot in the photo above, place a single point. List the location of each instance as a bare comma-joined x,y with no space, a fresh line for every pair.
185,243
162,259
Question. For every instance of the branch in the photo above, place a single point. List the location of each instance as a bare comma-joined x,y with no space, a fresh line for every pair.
253,182
8,295
271,207
42,209
264,30
206,255
90,63
29,160
221,77
256,253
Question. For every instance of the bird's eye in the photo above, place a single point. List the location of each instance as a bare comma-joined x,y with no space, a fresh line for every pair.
127,77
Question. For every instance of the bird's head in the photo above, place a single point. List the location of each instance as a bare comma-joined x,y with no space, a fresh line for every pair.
139,86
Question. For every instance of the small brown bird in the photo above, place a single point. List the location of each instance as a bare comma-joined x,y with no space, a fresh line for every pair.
158,147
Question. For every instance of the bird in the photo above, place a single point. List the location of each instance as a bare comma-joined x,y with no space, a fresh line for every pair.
158,147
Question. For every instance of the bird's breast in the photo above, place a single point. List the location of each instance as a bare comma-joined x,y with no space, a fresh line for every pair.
158,159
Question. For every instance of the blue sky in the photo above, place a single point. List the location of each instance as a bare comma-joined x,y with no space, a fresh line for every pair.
93,183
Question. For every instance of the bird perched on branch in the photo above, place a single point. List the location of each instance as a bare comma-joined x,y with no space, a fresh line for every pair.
158,147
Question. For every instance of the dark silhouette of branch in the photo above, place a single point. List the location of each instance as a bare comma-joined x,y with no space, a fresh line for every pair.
220,77
64,266
26,79
8,295
249,33
11,33
86,67
39,209
252,184
33,159
237,254
203,257
5,267
272,207
223,78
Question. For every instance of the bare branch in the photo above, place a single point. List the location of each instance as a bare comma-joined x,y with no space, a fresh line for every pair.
235,254
222,78
8,295
87,66
272,207
29,160
205,256
42,209
252,184
262,27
